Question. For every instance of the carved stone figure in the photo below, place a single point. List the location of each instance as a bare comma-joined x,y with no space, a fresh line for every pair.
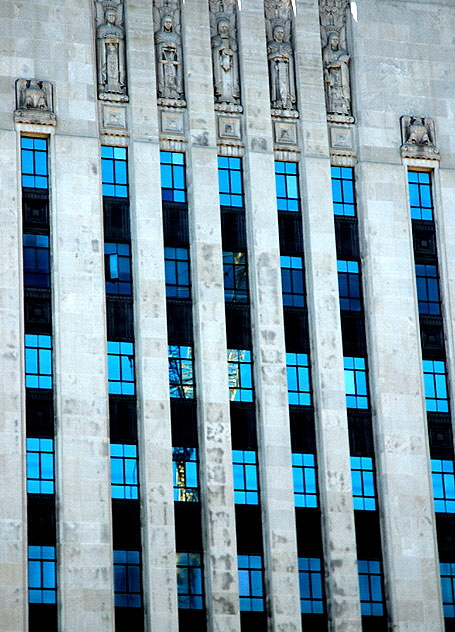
336,76
110,46
418,138
281,65
280,54
168,46
225,64
34,101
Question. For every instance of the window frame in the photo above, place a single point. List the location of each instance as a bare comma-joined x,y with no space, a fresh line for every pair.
185,469
133,598
304,474
123,367
363,479
290,274
245,477
358,378
124,471
251,577
41,560
39,356
122,285
433,389
287,182
443,480
368,605
188,575
184,387
173,172
114,171
39,177
343,194
43,463
418,211
177,268
349,278
240,375
230,181
298,373
310,581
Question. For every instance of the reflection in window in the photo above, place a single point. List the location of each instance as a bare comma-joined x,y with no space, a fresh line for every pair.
190,592
38,361
117,266
343,191
173,187
230,181
447,570
127,579
177,268
240,375
310,580
251,583
355,378
428,289
235,277
287,187
124,471
114,171
40,466
435,380
181,382
370,585
245,470
185,471
443,485
419,184
41,574
363,483
34,163
298,374
349,285
304,475
120,367
37,263
292,281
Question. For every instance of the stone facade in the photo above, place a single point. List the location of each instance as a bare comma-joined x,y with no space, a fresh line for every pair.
321,84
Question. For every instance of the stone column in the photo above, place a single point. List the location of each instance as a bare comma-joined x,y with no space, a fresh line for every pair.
218,516
154,425
396,382
270,383
334,468
84,550
13,497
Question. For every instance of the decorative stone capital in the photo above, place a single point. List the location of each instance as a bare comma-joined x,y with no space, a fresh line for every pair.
34,102
418,138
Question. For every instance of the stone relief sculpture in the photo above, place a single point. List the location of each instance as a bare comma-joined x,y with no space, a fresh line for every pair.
169,59
34,103
110,50
418,138
280,54
223,18
335,59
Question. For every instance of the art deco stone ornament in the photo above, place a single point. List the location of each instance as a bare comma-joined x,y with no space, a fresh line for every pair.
418,137
34,103
335,60
110,50
223,18
169,58
280,54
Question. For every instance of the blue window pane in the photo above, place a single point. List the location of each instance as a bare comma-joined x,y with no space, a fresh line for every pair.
38,361
298,375
173,186
363,489
41,574
370,587
435,383
230,181
420,197
251,583
287,188
114,171
189,581
185,472
127,579
181,381
34,163
304,476
120,366
343,191
292,281
240,375
355,382
177,269
124,478
245,474
310,581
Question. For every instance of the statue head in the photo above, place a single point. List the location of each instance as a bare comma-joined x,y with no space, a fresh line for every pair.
167,23
334,41
279,33
223,28
110,12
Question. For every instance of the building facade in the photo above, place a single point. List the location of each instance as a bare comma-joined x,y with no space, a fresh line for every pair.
227,329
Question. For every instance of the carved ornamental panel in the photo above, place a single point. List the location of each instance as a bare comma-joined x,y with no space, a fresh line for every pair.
418,138
34,102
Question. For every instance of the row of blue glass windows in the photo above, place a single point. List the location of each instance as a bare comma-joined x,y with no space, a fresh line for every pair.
38,374
190,589
115,180
177,268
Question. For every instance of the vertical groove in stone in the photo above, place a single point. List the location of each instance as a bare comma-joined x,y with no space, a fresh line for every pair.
218,516
13,498
154,424
84,552
334,468
274,446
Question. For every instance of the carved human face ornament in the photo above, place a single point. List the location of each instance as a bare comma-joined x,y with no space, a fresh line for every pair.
167,23
278,33
110,16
